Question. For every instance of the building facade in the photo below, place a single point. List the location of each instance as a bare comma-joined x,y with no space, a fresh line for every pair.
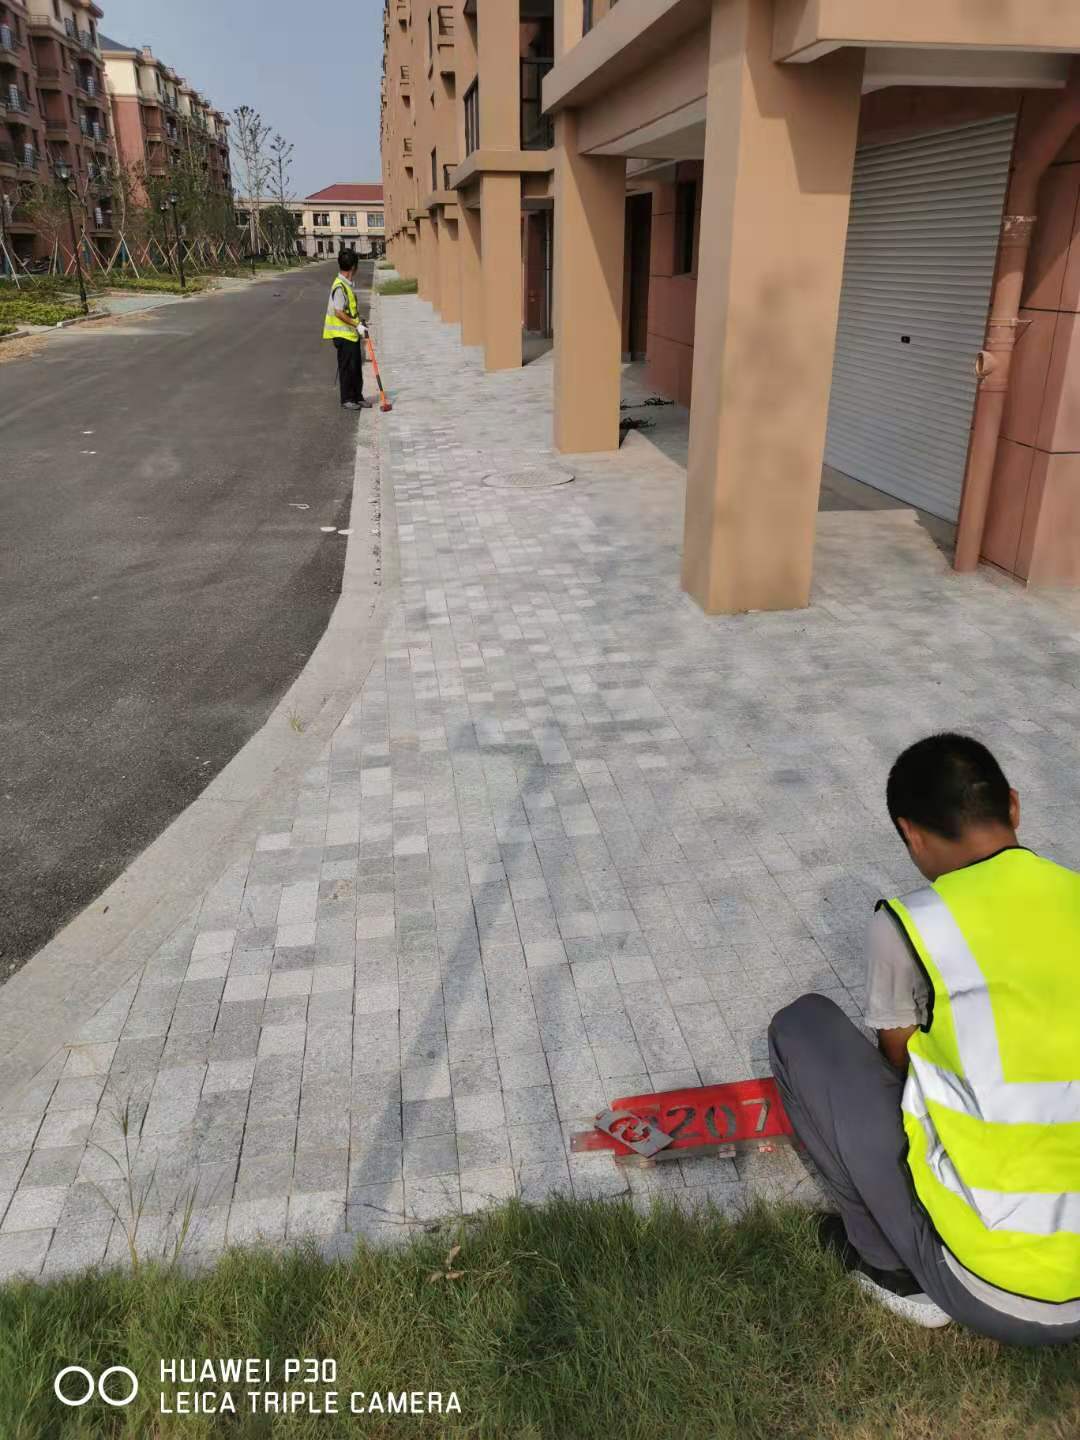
160,120
842,232
53,110
343,215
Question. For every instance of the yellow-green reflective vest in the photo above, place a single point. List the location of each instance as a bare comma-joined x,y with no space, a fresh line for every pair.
992,1100
335,329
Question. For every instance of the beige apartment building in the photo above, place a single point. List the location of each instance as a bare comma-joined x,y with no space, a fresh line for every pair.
159,118
843,232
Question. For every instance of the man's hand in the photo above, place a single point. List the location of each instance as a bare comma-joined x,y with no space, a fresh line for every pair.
894,1043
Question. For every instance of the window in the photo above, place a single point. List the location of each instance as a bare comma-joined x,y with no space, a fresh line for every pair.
321,218
375,222
472,118
685,215
348,218
434,170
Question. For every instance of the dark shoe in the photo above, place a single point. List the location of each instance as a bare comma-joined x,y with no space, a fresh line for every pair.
896,1290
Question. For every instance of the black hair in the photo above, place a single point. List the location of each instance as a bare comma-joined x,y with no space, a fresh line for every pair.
947,783
347,260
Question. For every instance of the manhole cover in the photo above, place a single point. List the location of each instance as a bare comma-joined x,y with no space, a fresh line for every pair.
539,478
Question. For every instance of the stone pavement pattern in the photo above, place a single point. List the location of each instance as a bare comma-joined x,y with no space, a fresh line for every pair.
573,840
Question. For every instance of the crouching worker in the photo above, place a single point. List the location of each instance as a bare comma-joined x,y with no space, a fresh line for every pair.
952,1149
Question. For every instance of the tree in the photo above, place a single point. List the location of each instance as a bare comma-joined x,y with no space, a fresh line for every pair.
281,163
249,138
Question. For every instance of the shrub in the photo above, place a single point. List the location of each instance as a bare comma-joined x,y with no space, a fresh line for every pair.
35,312
157,284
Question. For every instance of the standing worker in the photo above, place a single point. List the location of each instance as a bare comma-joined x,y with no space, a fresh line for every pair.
345,328
952,1148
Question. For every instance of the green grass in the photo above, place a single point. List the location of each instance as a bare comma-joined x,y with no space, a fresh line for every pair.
397,287
384,265
578,1320
8,329
32,311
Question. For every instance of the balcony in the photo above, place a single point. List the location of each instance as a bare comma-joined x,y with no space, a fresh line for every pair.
56,127
405,82
8,163
45,24
537,129
402,11
86,85
49,78
8,42
14,101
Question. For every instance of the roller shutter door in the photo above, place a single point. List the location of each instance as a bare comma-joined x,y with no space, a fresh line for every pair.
922,246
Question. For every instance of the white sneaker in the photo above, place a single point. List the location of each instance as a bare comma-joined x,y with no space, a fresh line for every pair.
919,1309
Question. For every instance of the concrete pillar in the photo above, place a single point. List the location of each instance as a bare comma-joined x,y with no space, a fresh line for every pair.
449,278
472,290
425,257
500,213
569,23
590,220
779,151
498,37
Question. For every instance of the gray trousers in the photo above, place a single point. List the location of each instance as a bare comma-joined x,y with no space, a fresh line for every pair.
843,1098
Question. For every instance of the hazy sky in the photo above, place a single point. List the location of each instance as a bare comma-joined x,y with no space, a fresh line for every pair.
312,70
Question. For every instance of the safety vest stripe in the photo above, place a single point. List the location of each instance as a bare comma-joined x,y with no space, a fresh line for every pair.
1043,1102
969,996
1021,1212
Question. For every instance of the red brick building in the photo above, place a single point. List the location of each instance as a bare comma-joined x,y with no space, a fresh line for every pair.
53,109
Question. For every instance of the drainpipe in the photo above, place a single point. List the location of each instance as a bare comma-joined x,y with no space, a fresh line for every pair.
993,365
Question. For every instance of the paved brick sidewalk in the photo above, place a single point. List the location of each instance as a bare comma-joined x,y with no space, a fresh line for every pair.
573,840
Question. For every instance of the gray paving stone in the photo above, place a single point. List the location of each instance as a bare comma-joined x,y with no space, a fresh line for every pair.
430,1155
22,1253
34,1207
259,1220
421,1118
562,848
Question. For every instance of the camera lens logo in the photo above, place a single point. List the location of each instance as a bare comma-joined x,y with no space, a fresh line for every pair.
68,1391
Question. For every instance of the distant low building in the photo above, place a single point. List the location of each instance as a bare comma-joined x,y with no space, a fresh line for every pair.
341,215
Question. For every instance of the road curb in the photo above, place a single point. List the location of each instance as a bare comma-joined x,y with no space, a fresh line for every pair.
70,978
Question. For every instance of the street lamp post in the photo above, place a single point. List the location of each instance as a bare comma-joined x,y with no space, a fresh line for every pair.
174,200
63,174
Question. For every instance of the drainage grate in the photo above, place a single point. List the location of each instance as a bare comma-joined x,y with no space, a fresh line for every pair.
537,478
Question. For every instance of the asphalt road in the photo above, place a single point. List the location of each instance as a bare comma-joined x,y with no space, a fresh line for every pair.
159,589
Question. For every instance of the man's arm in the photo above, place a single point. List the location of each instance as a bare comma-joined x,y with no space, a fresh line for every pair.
343,315
896,991
893,1045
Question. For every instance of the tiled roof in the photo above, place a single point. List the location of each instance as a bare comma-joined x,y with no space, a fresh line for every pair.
107,44
344,194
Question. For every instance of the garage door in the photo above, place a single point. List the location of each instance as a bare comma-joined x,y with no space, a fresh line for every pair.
922,246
